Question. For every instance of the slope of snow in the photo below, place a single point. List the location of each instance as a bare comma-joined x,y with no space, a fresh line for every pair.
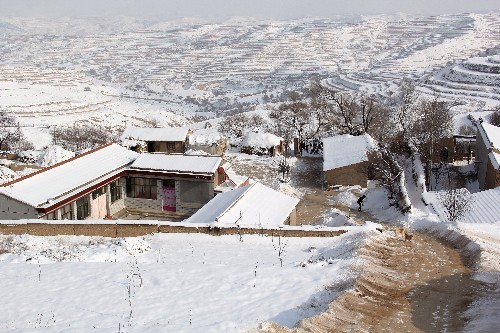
53,155
169,282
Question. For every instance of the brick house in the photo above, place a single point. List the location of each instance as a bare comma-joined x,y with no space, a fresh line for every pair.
111,181
488,156
345,160
166,140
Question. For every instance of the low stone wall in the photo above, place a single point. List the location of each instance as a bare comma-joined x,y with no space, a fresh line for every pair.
133,230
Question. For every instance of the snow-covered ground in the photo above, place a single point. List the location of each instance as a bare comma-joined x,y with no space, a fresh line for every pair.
170,282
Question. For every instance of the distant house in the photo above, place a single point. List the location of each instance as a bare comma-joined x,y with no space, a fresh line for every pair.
251,206
345,160
262,143
229,180
208,140
112,181
153,140
488,156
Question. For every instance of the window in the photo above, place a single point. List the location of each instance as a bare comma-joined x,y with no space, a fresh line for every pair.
66,212
97,193
82,208
170,146
141,188
51,216
168,183
115,190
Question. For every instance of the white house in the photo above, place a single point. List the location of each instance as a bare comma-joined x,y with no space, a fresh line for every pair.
345,159
488,156
253,206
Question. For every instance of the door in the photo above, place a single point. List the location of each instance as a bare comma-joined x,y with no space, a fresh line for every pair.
169,198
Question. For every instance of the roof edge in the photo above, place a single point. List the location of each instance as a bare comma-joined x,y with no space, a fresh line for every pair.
55,165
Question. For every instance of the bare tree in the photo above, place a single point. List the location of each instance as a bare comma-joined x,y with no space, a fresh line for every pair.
11,136
456,202
434,123
84,137
494,118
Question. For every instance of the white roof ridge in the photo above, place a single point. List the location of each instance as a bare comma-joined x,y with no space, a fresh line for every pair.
235,201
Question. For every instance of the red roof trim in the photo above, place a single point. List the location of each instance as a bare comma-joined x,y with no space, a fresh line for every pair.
72,198
55,165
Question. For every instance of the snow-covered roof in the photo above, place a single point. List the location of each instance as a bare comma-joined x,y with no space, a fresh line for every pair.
343,150
490,134
234,180
177,163
485,206
491,138
155,134
254,205
50,185
261,140
205,136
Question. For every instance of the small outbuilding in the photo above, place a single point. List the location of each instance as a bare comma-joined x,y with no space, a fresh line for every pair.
345,160
208,140
153,140
262,143
251,206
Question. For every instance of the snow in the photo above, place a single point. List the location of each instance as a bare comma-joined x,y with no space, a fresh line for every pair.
261,140
177,163
254,205
490,134
205,136
53,155
155,134
169,282
6,175
55,183
343,150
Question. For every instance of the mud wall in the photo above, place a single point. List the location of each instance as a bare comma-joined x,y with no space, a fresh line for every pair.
132,230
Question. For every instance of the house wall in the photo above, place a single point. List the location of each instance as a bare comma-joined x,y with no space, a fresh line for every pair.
118,205
11,209
492,176
481,160
182,206
162,146
192,207
292,218
355,174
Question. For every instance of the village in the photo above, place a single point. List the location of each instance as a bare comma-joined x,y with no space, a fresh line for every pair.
226,181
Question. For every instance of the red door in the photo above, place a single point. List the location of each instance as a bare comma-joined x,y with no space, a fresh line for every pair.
169,198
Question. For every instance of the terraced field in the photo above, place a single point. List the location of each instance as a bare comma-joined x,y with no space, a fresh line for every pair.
135,71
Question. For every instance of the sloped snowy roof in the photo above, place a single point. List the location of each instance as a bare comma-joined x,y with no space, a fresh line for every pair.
490,134
155,134
51,184
254,205
261,140
343,150
177,163
491,138
205,136
485,206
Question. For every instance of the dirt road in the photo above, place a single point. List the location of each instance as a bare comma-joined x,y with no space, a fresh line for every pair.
418,286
